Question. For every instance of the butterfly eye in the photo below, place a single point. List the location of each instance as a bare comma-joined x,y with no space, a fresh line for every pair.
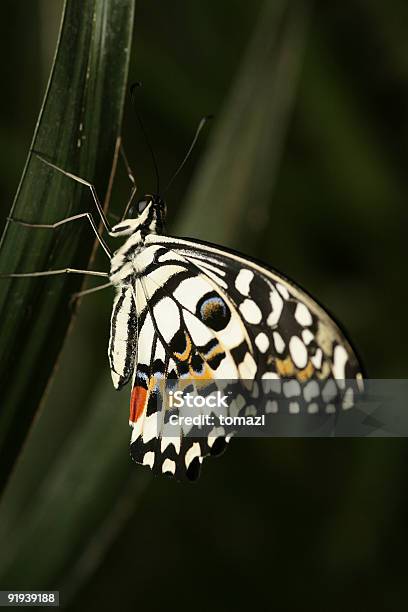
137,208
141,205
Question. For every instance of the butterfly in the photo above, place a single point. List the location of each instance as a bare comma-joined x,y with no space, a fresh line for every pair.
186,309
191,315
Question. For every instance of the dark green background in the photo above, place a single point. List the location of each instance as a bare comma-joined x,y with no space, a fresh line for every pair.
288,524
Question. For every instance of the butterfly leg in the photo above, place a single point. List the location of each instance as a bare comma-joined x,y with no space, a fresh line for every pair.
119,150
67,220
127,166
54,273
79,294
78,179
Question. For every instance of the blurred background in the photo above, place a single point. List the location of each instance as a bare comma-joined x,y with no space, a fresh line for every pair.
304,167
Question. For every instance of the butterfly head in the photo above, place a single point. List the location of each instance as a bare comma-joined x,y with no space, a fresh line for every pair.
145,215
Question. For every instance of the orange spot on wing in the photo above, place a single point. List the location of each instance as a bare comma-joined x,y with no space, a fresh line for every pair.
285,367
306,373
137,403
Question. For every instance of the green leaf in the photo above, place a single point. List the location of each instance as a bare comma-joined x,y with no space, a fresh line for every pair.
77,130
233,188
94,465
67,508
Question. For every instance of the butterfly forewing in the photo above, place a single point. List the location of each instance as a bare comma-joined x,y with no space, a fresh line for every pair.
284,323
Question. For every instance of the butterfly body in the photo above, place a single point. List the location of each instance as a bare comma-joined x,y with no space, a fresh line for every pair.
190,311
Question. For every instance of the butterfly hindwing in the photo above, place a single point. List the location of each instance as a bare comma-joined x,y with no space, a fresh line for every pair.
186,351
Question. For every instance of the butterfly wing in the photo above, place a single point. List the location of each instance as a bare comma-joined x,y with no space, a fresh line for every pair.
292,333
208,315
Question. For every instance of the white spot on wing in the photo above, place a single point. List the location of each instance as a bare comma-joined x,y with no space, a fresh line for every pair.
262,342
148,459
168,466
294,408
278,342
250,311
271,407
277,305
307,336
243,281
302,315
329,391
150,427
192,453
136,429
348,399
339,361
310,390
317,359
291,388
167,318
160,352
298,352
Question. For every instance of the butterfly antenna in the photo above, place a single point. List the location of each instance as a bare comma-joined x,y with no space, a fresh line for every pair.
149,146
200,126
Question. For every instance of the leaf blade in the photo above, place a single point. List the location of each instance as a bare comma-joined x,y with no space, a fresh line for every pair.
77,129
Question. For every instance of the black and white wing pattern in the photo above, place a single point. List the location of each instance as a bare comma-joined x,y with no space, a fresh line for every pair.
197,313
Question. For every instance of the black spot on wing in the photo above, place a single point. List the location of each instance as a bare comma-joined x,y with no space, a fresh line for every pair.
213,311
154,402
178,343
215,361
197,363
